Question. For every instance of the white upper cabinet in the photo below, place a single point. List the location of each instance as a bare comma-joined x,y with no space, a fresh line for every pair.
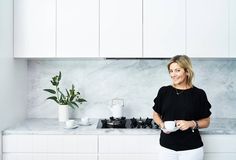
124,28
121,28
34,28
77,28
163,28
207,28
232,28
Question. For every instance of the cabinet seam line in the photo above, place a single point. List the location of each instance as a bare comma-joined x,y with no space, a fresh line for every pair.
99,30
186,27
55,28
142,28
228,7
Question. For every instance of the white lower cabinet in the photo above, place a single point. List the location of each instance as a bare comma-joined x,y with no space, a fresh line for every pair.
220,156
44,156
219,147
104,147
128,157
50,147
128,147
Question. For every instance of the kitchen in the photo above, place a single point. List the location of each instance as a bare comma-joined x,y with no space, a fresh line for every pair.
133,73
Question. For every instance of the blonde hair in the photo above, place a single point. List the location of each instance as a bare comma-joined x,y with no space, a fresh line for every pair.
184,62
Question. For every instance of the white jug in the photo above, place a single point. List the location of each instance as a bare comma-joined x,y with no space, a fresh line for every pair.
117,107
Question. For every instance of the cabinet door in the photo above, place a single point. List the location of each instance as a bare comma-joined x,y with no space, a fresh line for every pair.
207,28
50,144
164,28
232,27
44,156
128,144
67,143
17,143
219,143
71,157
219,156
34,28
18,156
77,28
121,28
128,157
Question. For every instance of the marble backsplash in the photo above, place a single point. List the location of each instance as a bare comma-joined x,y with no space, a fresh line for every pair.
135,80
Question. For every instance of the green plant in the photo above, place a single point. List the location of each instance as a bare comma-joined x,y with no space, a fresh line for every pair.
72,97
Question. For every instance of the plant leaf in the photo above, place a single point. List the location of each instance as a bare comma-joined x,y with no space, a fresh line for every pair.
55,78
72,90
72,98
53,98
59,77
80,100
71,105
50,91
61,100
63,96
68,94
75,104
53,83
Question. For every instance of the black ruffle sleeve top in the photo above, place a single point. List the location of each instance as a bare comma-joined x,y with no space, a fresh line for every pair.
174,104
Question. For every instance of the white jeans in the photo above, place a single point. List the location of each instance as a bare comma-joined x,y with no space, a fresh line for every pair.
193,154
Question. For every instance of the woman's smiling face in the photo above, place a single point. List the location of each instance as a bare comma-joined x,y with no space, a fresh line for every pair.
177,74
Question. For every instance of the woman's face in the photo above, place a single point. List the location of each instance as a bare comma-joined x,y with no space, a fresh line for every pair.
177,74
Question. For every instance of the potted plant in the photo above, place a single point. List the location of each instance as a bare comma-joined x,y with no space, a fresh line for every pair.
70,99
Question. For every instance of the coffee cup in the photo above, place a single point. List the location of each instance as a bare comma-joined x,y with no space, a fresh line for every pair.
70,123
84,120
169,125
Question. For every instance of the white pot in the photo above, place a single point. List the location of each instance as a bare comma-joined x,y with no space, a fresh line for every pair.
63,113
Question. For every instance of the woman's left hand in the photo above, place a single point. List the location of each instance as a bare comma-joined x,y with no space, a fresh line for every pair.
184,125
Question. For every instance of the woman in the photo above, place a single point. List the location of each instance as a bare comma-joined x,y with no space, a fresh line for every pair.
185,104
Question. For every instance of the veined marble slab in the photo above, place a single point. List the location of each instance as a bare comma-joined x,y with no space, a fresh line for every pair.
137,81
52,126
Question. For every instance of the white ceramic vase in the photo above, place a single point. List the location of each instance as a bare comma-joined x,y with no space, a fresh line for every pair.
63,113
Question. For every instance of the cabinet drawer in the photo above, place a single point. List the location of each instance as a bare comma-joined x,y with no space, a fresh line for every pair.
45,156
50,143
219,143
128,144
220,156
128,157
17,143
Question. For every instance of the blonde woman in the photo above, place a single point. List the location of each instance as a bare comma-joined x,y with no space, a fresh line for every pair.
185,104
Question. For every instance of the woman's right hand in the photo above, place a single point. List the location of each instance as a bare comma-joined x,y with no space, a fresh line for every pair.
162,127
157,119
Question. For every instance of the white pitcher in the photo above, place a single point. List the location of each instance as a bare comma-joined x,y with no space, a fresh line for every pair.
117,107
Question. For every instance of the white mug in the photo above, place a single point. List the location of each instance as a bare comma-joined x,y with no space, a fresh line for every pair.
70,123
169,125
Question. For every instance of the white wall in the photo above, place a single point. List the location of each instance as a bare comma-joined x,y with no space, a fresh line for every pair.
13,73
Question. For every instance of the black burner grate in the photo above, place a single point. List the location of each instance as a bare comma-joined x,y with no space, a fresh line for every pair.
127,123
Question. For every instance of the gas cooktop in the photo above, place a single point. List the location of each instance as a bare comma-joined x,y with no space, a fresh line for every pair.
123,122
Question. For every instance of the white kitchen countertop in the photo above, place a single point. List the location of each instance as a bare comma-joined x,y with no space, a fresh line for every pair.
52,126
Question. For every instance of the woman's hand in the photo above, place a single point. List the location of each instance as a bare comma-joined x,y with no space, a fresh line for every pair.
184,125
